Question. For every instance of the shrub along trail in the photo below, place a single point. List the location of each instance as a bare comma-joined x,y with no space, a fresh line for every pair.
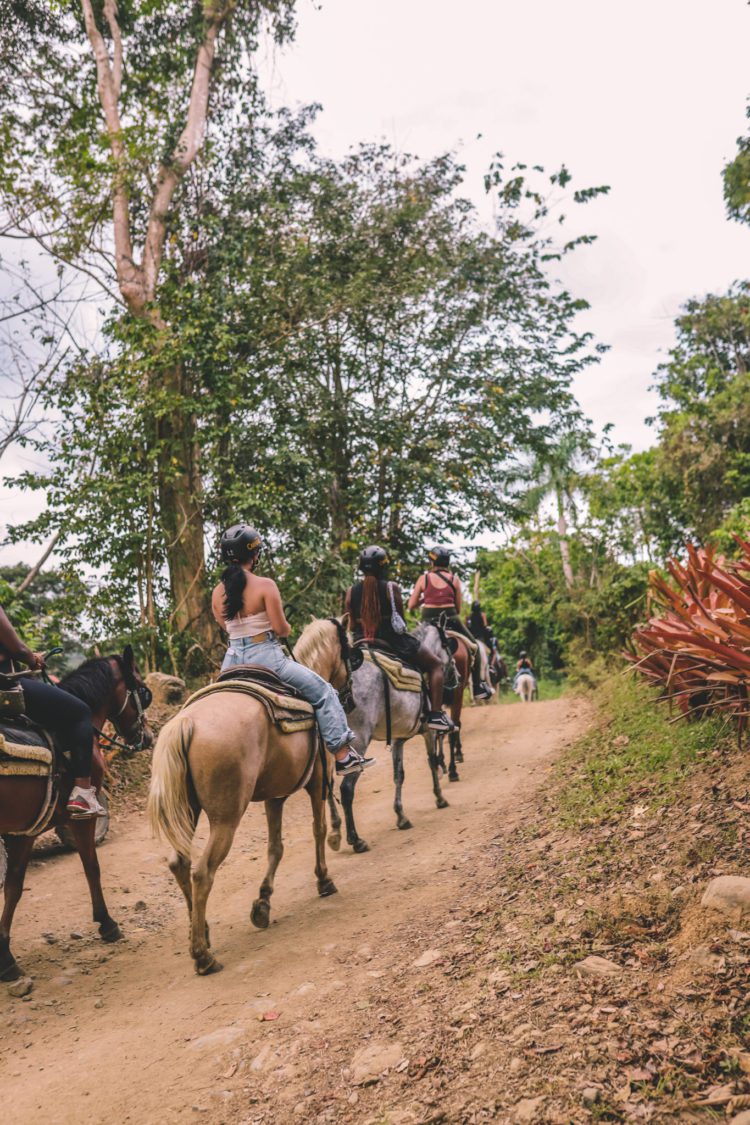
129,1033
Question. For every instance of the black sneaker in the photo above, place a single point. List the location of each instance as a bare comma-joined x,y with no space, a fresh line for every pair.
353,763
483,691
438,720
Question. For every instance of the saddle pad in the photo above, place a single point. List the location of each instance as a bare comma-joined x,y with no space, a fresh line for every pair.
22,732
288,713
465,640
402,678
20,760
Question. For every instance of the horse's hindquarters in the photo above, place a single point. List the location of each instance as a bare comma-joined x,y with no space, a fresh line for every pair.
290,759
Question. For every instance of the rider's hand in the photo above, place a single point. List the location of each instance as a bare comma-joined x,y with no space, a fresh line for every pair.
36,664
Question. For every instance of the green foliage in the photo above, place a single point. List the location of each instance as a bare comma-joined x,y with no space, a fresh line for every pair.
633,752
48,613
737,180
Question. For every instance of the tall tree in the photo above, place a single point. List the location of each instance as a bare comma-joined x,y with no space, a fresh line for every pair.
104,109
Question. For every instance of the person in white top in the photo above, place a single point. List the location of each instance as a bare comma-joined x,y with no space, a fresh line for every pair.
249,609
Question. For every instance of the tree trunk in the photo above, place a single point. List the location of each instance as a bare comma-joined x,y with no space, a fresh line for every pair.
181,513
562,533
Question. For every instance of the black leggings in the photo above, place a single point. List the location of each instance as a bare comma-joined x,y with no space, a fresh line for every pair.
65,716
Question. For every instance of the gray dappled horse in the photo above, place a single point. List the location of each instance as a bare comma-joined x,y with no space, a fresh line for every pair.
368,721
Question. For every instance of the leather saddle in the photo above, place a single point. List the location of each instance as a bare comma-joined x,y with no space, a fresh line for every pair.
284,706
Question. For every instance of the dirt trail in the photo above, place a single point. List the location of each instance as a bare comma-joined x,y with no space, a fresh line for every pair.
129,1033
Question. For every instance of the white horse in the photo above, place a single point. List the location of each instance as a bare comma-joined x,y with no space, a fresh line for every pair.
484,664
525,687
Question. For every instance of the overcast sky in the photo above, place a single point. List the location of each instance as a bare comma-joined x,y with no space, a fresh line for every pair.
648,97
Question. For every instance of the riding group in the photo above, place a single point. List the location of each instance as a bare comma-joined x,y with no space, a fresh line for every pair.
273,722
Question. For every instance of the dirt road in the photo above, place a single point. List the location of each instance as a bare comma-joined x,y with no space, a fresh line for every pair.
129,1033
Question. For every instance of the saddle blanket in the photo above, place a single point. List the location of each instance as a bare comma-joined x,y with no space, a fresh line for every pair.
288,713
402,678
22,759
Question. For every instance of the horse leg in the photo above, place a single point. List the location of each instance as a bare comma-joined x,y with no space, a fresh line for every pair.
397,753
334,836
179,865
348,786
261,912
18,849
432,759
83,835
452,771
202,878
326,886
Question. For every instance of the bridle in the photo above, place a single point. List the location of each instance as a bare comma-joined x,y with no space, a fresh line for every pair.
131,741
345,692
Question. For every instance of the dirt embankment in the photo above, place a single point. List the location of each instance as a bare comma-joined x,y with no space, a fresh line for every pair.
128,1033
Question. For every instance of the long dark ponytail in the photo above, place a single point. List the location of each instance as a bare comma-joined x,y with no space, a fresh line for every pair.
234,579
370,611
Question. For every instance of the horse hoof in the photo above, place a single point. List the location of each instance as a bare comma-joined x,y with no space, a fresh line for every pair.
459,756
403,824
453,777
361,846
334,841
10,972
207,965
260,914
441,803
110,931
327,887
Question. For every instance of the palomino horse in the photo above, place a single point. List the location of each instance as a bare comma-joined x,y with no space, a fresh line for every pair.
525,687
115,692
223,752
368,721
454,697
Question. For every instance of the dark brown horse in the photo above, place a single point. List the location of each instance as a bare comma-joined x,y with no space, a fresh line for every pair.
454,698
115,692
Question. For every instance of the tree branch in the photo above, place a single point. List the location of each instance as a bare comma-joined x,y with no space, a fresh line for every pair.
39,564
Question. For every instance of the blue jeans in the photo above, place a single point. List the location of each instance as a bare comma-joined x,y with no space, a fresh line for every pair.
329,713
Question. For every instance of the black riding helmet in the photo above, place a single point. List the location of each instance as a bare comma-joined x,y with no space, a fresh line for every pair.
440,555
240,543
373,560
476,606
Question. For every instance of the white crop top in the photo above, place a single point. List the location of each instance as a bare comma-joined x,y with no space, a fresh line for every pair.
248,626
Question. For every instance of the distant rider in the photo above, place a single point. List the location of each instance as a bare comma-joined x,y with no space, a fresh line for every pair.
249,609
524,664
368,604
67,718
438,591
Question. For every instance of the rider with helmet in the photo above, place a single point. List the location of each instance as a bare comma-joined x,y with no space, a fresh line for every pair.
65,716
438,591
248,608
478,625
369,606
524,664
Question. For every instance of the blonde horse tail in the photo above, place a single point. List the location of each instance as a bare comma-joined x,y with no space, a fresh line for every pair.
168,809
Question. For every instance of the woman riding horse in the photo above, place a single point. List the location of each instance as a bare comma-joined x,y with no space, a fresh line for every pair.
438,591
368,604
248,608
66,717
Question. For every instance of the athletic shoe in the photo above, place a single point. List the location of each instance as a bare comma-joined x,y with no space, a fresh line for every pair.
438,720
82,804
353,763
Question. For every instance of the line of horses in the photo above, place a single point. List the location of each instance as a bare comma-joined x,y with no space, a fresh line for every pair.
224,751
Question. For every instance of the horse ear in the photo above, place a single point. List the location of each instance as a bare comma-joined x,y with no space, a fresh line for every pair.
346,620
128,661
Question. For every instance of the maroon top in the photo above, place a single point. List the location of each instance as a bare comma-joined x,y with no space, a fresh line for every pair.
439,591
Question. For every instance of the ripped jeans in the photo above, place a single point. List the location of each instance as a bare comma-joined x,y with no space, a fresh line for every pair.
329,713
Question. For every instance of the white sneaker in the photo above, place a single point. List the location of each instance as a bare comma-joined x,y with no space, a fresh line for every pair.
82,804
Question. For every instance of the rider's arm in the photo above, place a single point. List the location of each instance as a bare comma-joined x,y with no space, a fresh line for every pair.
274,609
416,594
217,606
14,646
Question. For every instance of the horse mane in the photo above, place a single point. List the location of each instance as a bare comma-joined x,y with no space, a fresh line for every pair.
316,641
91,681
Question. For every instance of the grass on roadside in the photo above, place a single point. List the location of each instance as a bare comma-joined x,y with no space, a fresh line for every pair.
634,753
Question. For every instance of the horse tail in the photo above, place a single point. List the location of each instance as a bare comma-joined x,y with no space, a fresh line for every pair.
168,810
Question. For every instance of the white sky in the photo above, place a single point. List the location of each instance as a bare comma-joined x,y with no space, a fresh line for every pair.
648,97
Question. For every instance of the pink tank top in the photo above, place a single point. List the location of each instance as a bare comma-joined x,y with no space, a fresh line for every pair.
439,591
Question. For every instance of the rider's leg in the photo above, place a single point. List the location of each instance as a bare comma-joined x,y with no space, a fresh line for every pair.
70,720
478,686
434,669
329,714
